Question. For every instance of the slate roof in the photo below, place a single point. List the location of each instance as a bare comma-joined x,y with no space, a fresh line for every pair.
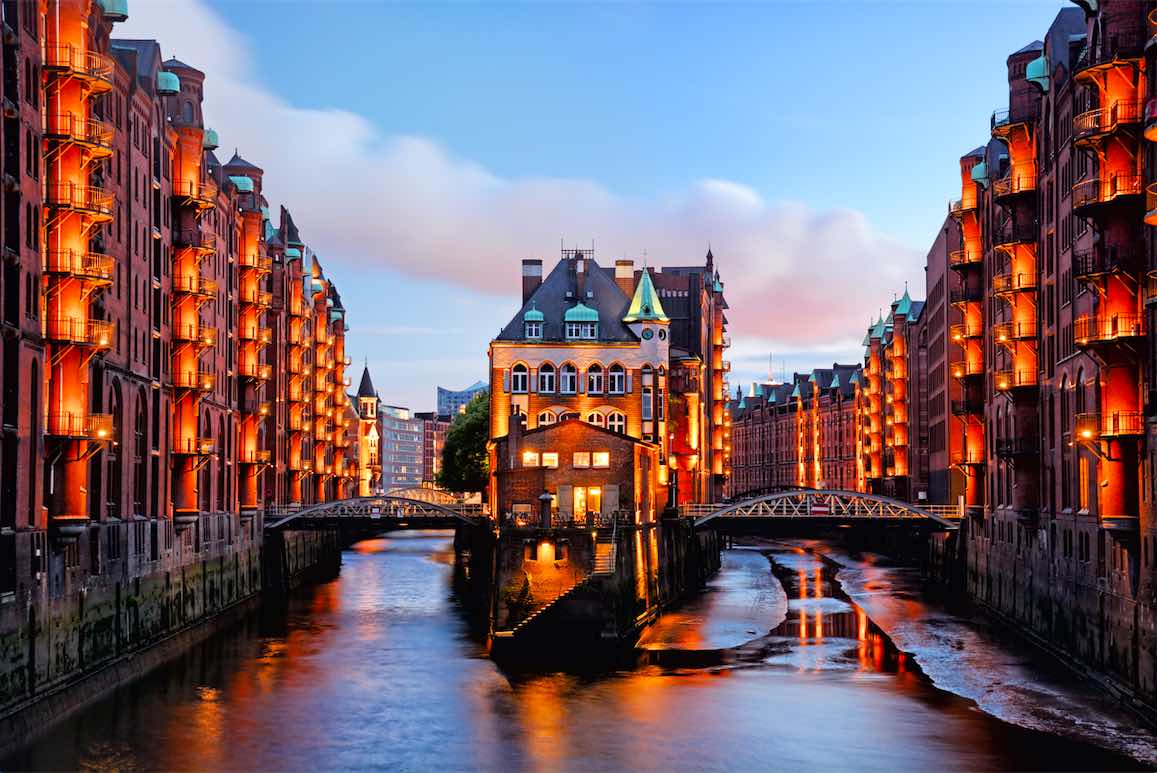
239,163
366,387
550,298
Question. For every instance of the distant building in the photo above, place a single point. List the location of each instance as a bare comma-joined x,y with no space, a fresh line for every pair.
434,429
369,432
451,402
401,447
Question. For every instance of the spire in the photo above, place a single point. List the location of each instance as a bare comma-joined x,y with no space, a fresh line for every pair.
645,306
366,387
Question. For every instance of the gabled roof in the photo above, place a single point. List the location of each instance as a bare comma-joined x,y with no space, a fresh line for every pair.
239,163
904,305
557,294
645,306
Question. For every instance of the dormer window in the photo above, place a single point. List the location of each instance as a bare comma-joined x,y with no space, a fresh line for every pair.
532,322
534,330
582,331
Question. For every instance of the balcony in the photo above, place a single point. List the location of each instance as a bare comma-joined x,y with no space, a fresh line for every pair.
1120,44
203,242
1092,330
95,203
255,262
1095,263
1005,284
1115,424
1009,235
260,335
1101,122
962,259
1011,380
1010,332
79,426
195,285
193,447
195,334
94,69
967,407
967,369
1095,193
95,136
91,267
1023,180
201,381
957,208
959,296
968,458
1151,287
97,333
296,423
1003,121
299,465
1151,118
255,372
1018,447
194,194
256,297
255,457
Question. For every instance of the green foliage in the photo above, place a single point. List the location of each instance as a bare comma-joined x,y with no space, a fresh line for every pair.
465,465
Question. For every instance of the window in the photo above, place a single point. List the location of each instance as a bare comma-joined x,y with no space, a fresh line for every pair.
519,377
530,458
546,417
617,422
661,413
648,404
568,379
581,460
595,379
601,459
617,380
582,330
534,330
597,419
546,377
550,459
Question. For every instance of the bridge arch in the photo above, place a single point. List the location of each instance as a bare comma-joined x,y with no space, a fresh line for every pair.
424,494
827,503
376,509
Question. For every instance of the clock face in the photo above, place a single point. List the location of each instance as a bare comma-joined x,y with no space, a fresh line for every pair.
648,333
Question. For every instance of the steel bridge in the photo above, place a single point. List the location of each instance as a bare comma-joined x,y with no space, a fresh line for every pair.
828,506
385,512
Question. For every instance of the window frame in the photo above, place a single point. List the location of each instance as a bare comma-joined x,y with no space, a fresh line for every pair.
520,372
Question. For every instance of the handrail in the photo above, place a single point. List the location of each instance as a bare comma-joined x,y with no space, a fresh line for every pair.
1102,120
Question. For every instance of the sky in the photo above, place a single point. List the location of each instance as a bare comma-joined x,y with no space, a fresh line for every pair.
425,149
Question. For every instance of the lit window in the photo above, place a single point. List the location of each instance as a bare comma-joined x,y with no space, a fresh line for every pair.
582,459
597,419
617,422
568,379
530,458
648,405
550,459
601,459
595,379
519,378
547,417
546,377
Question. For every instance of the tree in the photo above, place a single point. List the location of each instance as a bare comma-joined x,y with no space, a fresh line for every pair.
465,462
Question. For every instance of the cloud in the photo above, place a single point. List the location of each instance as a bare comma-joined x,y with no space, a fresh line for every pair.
799,277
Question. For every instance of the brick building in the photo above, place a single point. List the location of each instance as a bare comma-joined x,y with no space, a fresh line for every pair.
173,360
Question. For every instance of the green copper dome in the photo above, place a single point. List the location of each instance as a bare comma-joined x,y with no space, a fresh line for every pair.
980,174
168,84
1037,73
244,184
581,313
533,315
293,253
115,10
210,142
645,306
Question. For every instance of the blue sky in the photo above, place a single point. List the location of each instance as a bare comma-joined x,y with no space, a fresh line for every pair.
837,122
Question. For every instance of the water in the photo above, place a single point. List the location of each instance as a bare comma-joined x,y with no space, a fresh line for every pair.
377,669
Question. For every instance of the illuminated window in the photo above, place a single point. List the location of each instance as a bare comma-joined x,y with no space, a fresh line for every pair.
597,419
617,422
582,459
530,458
601,459
547,417
519,378
546,377
550,459
595,379
616,380
1083,484
568,379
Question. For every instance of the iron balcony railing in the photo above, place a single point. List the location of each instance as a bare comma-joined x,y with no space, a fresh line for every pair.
89,266
1016,378
1090,426
91,66
94,426
1013,283
1095,328
1008,332
261,335
959,295
194,333
967,407
198,194
963,331
97,333
1105,120
201,380
1087,193
95,202
195,285
1003,118
255,457
968,458
967,368
1023,180
1009,234
193,446
194,239
1151,287
959,207
1025,444
97,136
256,297
256,262
256,372
1123,41
963,258
1100,261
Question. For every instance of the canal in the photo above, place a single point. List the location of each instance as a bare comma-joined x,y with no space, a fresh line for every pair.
787,661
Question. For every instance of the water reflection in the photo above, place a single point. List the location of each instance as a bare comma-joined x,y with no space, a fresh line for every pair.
377,670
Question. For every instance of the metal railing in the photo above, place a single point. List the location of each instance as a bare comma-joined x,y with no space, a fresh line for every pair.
1120,42
194,285
255,261
91,266
95,426
194,333
202,380
958,295
1100,329
962,257
1005,332
1010,234
79,62
1013,282
1101,191
1022,181
966,368
97,333
1098,261
1016,378
1090,426
1103,120
88,199
192,238
200,194
968,458
193,446
97,135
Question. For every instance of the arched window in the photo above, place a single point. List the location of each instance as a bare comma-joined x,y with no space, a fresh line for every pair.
617,422
187,112
206,480
595,379
140,453
568,379
616,380
647,373
568,415
546,417
115,458
597,419
519,378
546,377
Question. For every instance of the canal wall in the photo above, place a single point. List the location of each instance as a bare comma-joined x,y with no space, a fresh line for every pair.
123,599
1086,604
560,589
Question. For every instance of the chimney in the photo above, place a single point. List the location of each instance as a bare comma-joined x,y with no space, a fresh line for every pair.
531,278
581,266
625,276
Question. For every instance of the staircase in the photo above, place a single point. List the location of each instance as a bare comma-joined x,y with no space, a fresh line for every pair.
530,618
605,552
